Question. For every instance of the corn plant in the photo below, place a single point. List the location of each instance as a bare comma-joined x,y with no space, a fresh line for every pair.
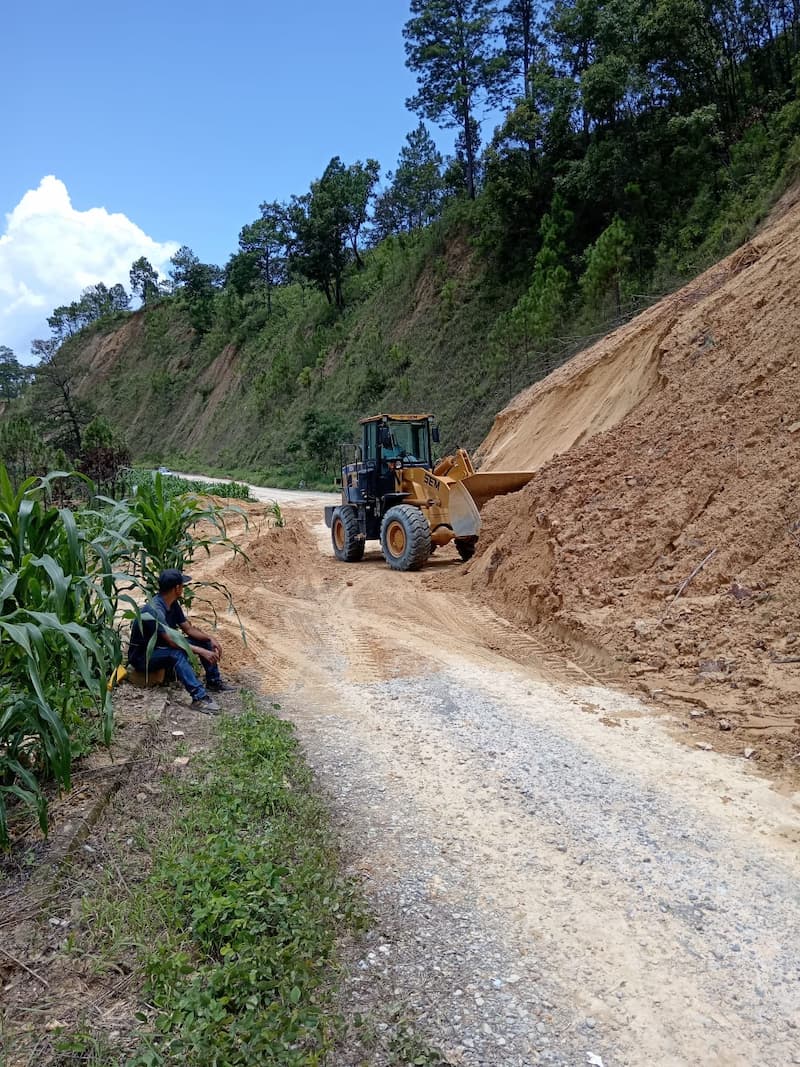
59,595
275,511
171,530
67,582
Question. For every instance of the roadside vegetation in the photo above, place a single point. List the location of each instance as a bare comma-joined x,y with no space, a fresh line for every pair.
307,477
232,932
140,479
71,575
58,639
632,147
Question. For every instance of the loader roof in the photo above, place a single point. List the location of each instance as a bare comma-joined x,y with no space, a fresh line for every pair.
394,418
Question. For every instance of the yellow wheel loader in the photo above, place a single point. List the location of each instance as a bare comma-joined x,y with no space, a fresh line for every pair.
393,492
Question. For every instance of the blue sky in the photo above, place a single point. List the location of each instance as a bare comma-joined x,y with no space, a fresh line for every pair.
180,117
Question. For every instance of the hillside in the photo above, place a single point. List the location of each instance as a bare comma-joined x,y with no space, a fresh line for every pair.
269,394
263,371
662,529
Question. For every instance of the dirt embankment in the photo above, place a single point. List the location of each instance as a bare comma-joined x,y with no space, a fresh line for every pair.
663,524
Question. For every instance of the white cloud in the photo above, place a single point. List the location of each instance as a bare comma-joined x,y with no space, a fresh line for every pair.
50,252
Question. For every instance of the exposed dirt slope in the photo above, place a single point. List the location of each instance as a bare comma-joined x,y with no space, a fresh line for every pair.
591,393
130,378
683,433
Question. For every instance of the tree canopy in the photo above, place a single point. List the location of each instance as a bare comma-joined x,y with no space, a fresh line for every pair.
452,47
325,225
414,193
13,375
96,302
144,281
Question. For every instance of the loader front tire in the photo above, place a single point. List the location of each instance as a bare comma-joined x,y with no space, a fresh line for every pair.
405,538
348,544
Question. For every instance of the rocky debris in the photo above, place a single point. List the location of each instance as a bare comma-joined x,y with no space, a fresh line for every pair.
740,592
713,668
664,511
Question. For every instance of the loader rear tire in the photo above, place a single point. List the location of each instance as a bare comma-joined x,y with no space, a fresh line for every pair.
405,538
348,544
466,549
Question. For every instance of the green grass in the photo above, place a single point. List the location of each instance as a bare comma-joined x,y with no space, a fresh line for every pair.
235,928
289,477
174,485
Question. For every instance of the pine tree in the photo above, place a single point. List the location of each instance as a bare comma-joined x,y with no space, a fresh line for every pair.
144,281
532,322
267,240
519,24
451,47
415,191
606,262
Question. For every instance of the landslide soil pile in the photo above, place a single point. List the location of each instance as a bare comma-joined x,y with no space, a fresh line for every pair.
662,527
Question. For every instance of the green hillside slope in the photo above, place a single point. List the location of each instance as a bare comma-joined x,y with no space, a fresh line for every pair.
336,306
271,395
275,393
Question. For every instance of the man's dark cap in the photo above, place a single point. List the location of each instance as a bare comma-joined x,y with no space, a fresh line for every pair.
170,578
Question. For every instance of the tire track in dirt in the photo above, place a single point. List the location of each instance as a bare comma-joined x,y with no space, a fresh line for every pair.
598,868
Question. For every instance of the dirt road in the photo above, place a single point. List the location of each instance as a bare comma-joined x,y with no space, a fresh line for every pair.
556,878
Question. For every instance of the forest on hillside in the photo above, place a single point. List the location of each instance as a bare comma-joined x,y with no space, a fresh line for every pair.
604,152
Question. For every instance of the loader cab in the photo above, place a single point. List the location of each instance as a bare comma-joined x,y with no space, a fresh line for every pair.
398,441
372,479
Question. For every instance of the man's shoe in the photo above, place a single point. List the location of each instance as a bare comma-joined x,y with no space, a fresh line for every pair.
207,705
221,687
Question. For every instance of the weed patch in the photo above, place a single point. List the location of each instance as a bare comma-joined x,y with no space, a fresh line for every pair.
244,906
174,485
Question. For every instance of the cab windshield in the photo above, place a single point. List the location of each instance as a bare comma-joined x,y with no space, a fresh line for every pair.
410,442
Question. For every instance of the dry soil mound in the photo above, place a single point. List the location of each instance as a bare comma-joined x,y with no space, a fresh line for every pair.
679,438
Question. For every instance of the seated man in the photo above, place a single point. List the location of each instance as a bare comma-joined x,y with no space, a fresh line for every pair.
395,450
164,613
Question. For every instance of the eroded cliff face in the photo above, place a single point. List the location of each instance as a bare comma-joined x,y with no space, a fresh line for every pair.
663,525
155,389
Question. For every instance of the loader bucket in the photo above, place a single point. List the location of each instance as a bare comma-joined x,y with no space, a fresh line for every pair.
487,484
464,517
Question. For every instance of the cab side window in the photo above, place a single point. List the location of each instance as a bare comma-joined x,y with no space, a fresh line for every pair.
371,441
